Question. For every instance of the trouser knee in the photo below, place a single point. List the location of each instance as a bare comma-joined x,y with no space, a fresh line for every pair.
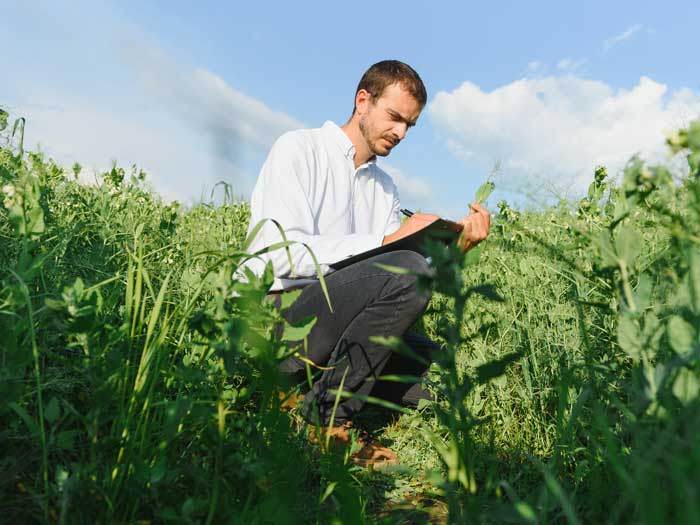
408,285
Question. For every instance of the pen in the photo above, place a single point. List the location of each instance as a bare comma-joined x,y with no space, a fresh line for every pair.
406,212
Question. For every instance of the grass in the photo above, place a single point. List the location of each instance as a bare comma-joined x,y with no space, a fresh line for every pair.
139,378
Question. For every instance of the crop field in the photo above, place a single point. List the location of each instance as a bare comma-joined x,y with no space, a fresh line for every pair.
139,382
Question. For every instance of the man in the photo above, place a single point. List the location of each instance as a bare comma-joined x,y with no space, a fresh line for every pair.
324,188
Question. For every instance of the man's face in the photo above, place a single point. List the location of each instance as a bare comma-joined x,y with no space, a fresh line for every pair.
384,121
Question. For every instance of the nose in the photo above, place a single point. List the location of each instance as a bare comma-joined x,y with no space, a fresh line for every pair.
400,130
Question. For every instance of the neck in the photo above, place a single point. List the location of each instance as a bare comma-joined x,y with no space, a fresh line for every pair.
362,151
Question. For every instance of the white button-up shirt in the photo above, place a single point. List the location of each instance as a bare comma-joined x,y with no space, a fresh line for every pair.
310,186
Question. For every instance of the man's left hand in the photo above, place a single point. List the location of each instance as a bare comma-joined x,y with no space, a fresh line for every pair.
476,227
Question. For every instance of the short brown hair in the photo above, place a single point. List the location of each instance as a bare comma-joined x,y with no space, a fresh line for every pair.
387,72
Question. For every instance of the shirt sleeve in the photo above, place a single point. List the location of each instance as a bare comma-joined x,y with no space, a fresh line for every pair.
281,193
394,221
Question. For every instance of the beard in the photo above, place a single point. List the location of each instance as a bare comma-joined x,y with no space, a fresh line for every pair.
373,144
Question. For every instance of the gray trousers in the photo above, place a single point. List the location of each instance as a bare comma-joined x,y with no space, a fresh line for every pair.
367,301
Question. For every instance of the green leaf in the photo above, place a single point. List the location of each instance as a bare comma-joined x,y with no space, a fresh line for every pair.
628,245
398,346
369,399
628,336
693,256
22,413
55,304
175,413
19,126
496,368
287,298
526,512
399,378
52,411
329,490
62,476
66,439
606,252
681,335
298,331
253,233
642,293
484,191
694,162
158,471
35,220
686,386
473,255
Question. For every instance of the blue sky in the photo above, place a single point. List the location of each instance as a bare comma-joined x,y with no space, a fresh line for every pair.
196,93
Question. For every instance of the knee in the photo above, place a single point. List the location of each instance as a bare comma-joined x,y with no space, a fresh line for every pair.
408,283
412,261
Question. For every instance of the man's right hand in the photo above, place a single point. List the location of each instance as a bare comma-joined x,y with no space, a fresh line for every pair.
414,223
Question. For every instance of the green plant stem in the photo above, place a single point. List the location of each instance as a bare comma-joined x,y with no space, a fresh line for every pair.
39,399
626,287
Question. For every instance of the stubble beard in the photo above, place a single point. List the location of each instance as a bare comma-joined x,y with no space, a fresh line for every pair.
367,135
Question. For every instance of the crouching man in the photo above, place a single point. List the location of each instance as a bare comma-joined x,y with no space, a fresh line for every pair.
323,186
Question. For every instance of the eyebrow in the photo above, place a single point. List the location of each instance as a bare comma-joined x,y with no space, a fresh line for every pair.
396,114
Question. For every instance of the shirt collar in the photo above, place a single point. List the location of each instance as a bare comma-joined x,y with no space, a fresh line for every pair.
338,136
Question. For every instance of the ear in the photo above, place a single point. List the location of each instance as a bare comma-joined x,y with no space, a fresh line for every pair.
363,99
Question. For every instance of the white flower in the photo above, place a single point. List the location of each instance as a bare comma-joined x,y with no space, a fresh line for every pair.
8,189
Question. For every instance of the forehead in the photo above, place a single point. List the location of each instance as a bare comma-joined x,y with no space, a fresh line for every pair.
395,97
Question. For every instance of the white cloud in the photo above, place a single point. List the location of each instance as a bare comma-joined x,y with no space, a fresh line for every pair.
417,194
535,65
560,128
570,65
175,160
230,118
187,128
627,33
411,189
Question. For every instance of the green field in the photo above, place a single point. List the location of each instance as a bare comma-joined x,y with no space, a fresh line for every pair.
139,385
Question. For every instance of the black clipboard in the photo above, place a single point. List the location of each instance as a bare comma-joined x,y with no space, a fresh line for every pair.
442,229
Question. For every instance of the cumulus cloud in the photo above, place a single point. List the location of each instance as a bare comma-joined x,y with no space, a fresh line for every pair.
188,129
560,128
94,137
229,118
417,194
626,34
571,64
411,189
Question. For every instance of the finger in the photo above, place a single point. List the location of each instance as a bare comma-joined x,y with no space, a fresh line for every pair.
465,238
480,226
467,226
486,218
479,231
478,208
482,218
